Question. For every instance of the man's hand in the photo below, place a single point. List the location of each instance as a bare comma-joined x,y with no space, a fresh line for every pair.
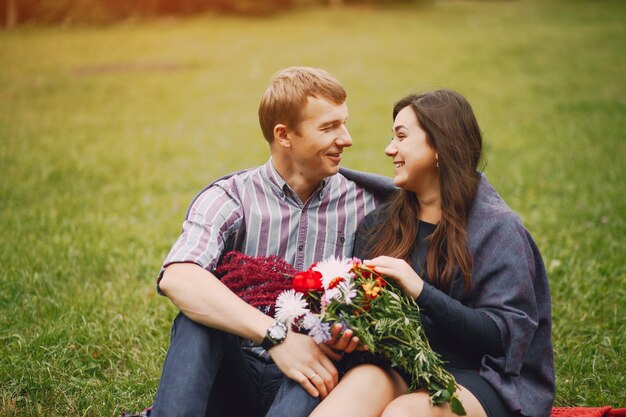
303,361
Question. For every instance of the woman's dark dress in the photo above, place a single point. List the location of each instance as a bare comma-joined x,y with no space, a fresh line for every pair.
461,351
509,289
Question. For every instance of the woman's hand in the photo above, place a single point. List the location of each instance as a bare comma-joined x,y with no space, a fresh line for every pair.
400,271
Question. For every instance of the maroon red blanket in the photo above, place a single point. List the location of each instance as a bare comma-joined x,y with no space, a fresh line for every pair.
556,412
588,412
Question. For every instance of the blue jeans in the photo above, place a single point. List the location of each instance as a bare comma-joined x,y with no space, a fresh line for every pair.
206,373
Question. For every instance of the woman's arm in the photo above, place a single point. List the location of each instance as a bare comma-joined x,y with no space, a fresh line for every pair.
472,327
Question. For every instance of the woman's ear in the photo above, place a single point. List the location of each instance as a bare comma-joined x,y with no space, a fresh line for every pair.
281,135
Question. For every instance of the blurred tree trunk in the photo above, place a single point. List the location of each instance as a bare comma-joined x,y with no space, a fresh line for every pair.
11,14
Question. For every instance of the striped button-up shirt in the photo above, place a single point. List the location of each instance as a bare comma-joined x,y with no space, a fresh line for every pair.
257,213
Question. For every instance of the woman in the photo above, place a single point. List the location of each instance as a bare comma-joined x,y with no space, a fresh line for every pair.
451,243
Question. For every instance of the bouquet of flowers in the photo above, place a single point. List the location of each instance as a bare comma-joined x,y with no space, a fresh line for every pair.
346,291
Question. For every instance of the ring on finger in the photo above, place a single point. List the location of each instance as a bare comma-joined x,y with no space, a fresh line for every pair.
312,376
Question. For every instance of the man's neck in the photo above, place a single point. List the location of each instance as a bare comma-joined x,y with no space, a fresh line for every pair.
297,181
302,188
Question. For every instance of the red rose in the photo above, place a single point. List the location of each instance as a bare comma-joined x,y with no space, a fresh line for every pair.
307,281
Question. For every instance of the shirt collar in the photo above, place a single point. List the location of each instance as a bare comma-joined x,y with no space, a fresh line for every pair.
273,175
281,187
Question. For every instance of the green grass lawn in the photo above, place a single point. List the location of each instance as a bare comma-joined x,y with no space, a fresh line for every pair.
107,133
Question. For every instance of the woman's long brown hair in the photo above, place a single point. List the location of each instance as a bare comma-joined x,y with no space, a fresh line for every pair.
452,130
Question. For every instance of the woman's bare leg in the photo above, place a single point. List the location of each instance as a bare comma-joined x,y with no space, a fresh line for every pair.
417,404
363,392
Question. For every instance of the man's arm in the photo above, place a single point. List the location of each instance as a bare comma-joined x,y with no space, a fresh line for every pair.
205,300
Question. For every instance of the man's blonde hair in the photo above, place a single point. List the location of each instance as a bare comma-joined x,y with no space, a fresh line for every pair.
287,96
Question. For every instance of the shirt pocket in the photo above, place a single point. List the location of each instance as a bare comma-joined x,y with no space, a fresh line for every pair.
339,245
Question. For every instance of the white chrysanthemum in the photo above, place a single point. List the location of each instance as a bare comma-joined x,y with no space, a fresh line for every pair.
332,268
330,295
309,321
290,305
347,290
318,330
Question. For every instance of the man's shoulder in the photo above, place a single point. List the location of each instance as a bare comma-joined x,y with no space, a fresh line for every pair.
238,177
382,187
234,180
229,186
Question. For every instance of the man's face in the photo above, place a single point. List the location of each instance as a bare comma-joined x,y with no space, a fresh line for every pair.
319,141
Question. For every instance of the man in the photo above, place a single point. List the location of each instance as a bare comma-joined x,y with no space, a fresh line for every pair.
296,206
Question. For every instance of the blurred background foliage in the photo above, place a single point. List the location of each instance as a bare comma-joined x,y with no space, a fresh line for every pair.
15,12
107,131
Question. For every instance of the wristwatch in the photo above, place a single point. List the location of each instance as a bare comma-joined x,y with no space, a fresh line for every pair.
276,334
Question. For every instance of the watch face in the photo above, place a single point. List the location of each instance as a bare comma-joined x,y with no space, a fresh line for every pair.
277,332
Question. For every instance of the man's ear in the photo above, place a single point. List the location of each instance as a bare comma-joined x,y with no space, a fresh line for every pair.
281,135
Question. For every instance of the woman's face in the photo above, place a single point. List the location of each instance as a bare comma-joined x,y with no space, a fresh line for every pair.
414,160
